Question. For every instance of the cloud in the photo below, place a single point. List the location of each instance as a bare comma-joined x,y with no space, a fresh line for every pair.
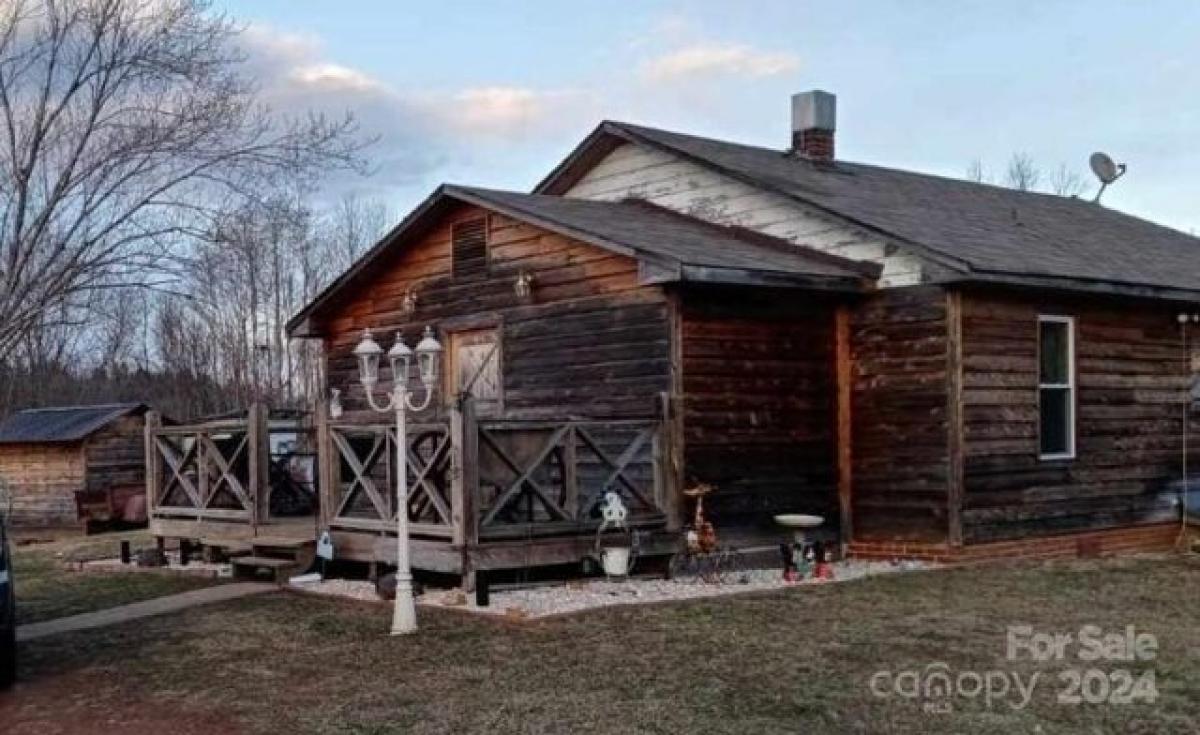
423,134
716,59
295,77
513,113
334,77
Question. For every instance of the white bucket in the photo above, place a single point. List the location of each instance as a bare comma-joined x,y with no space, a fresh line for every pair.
615,560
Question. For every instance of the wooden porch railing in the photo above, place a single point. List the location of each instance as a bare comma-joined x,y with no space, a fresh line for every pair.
472,480
238,470
360,489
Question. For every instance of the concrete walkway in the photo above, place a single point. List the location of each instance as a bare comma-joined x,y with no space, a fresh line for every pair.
137,610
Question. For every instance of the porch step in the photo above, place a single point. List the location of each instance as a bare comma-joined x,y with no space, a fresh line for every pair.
226,547
250,566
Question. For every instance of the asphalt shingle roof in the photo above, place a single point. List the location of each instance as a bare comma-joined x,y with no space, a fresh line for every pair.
676,238
977,227
682,247
61,424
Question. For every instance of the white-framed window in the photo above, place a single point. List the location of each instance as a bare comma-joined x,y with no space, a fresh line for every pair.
1056,387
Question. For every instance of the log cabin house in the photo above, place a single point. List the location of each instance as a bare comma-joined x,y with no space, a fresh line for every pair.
66,464
943,369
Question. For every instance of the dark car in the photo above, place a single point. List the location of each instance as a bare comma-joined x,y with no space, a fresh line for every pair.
8,613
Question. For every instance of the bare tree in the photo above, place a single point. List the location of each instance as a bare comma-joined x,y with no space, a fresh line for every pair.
126,127
1066,182
1022,173
977,173
354,225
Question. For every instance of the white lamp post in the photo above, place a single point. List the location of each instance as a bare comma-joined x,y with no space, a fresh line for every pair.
368,351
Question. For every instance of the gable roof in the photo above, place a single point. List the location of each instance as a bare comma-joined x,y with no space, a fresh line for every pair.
980,231
62,424
669,246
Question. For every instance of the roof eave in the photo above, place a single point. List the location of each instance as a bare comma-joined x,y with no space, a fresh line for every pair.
1080,285
602,140
772,279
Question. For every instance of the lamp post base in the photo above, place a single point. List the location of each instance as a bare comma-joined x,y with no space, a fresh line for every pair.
404,608
404,619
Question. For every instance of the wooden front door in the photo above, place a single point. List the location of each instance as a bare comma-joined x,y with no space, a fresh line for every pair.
474,364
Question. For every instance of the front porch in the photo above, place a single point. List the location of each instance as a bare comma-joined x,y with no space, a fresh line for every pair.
484,494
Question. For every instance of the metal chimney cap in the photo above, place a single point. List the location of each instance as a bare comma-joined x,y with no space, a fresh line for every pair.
815,109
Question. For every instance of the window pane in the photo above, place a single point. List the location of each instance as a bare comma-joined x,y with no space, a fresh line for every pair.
1056,420
1054,352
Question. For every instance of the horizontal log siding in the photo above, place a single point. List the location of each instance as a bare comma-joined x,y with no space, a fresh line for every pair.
1130,384
899,398
116,455
593,342
759,404
41,480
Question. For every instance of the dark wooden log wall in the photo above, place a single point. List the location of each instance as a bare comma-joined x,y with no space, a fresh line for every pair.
900,460
759,403
116,455
1130,384
593,343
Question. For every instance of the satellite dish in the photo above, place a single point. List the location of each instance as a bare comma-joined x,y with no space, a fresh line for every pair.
1105,170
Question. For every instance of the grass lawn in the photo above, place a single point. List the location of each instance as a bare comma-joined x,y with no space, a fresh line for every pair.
46,589
794,661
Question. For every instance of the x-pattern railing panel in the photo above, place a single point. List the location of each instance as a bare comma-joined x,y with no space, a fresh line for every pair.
618,467
422,490
524,481
565,444
195,463
360,469
178,462
225,475
428,467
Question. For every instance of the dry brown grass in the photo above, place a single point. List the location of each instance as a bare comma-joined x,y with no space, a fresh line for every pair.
793,661
47,588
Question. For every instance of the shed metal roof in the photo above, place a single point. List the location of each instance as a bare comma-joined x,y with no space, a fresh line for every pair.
62,424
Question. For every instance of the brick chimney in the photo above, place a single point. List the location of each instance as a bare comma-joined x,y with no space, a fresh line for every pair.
814,119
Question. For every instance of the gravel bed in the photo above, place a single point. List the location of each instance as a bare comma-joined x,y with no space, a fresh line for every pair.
577,595
538,602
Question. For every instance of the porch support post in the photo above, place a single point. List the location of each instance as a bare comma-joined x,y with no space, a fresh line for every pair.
669,441
954,417
844,381
325,464
153,468
464,485
258,446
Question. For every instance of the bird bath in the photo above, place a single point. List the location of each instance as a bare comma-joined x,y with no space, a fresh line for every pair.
800,524
803,555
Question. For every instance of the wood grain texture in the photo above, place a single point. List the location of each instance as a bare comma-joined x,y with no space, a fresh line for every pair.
899,403
759,403
954,404
592,343
844,384
1131,383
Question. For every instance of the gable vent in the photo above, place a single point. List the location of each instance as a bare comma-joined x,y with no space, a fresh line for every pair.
469,250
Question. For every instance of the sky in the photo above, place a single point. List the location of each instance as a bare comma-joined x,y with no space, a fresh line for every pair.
496,93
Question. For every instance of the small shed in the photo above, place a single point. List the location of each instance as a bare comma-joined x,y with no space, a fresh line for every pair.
66,464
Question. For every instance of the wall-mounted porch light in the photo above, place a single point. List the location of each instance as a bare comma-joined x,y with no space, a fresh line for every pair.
523,287
409,304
